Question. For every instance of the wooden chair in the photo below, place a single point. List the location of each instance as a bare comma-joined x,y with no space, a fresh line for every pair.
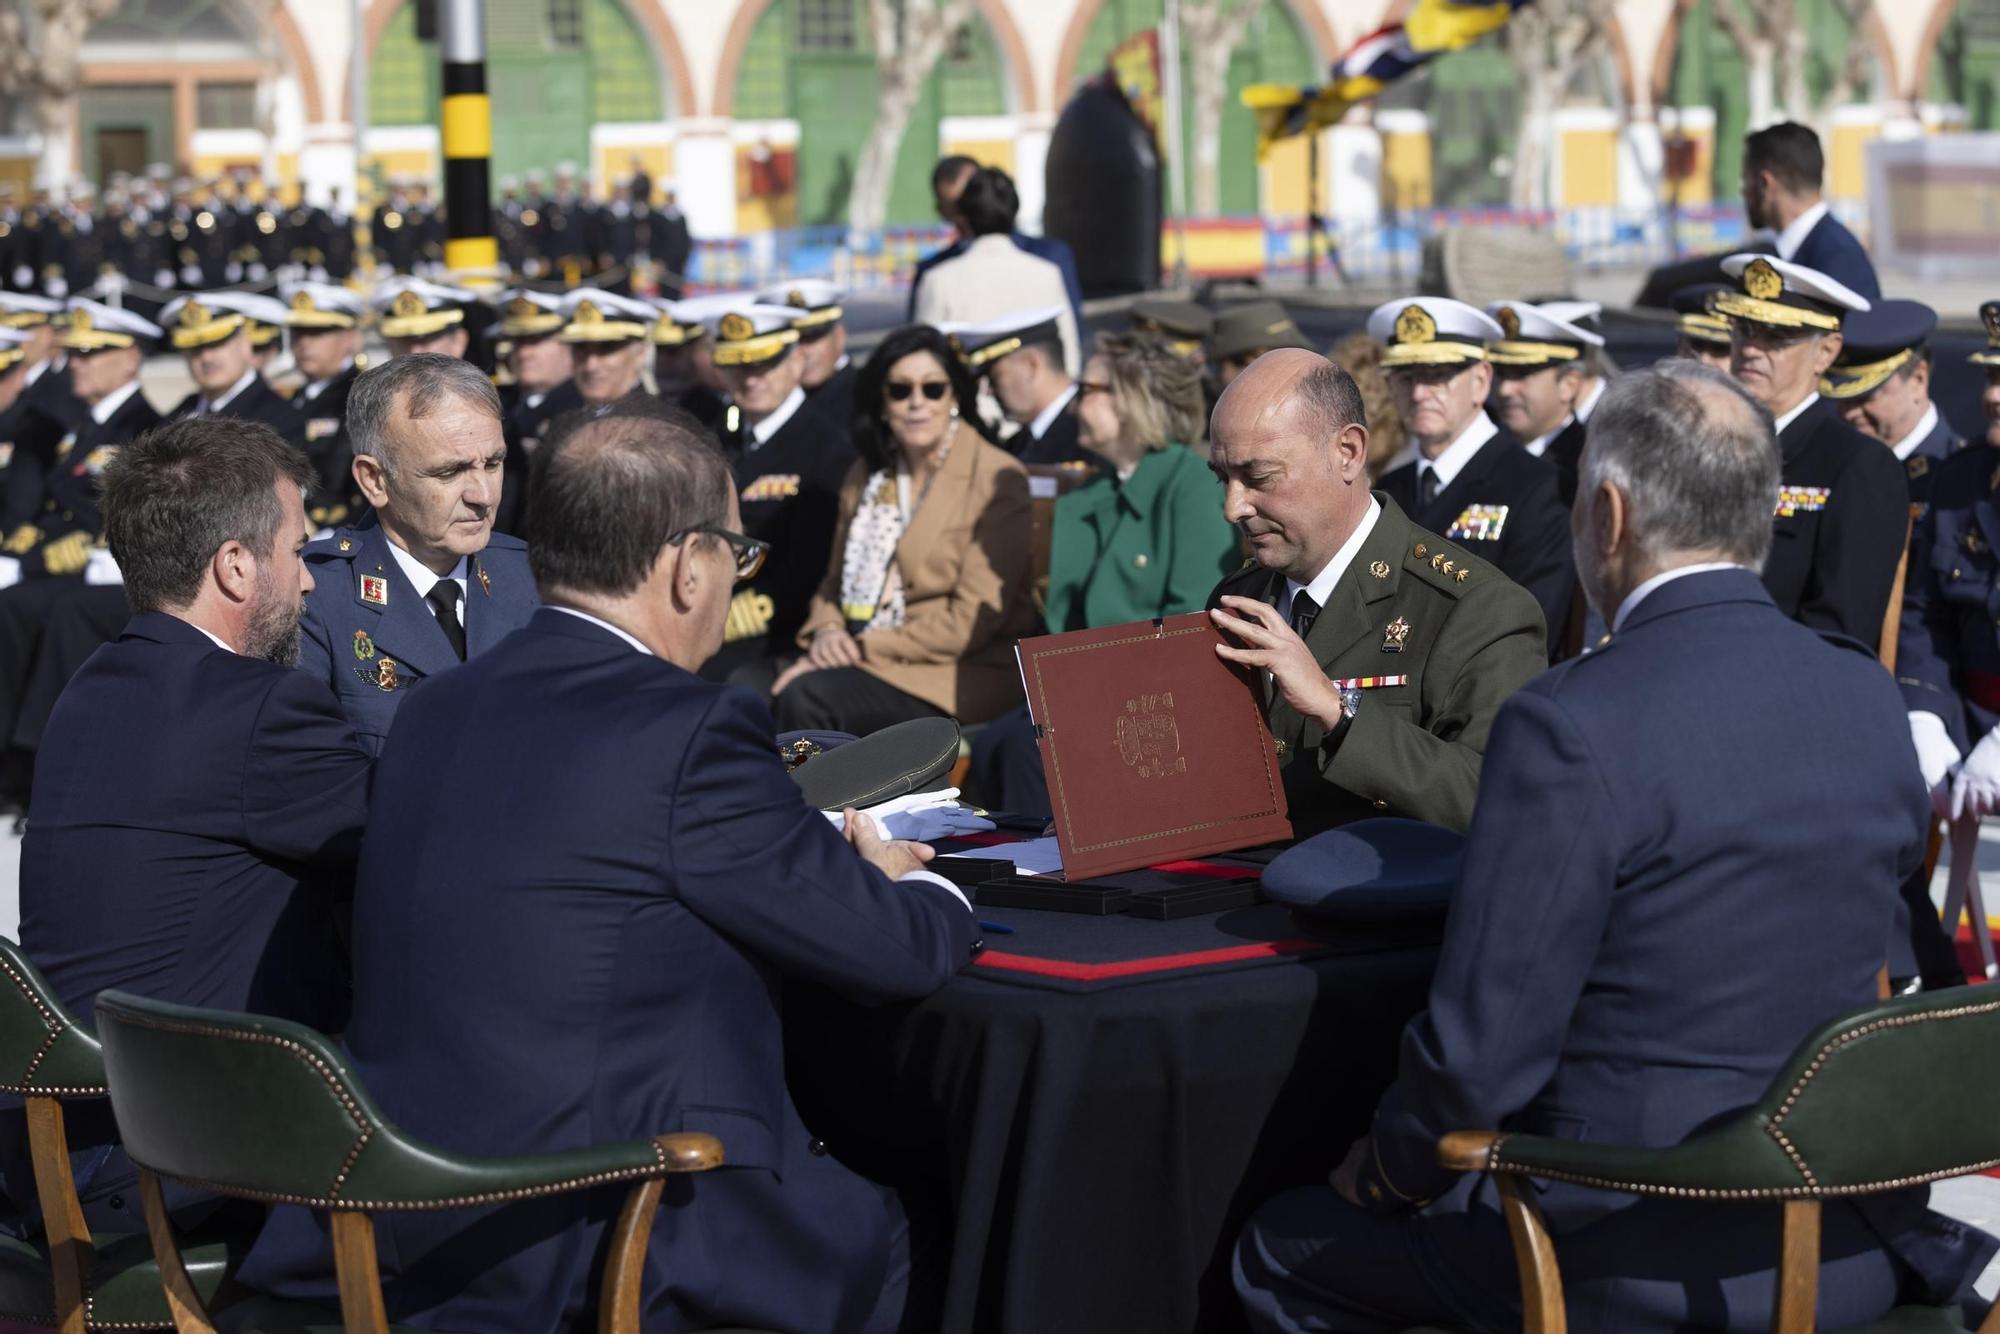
262,1109
1847,1116
66,1277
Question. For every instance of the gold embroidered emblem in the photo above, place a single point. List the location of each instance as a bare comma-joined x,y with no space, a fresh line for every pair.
735,328
302,304
1149,739
347,544
1380,569
1415,325
1394,635
1462,575
1510,321
408,306
796,299
1762,281
385,674
587,313
194,315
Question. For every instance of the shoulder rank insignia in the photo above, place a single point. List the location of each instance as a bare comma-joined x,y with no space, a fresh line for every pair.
1394,634
374,590
364,647
1478,523
485,579
1918,465
347,544
1802,500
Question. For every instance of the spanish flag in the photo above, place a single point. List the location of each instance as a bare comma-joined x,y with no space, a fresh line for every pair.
1372,64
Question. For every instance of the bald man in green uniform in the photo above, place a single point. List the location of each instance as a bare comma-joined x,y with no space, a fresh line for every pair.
1386,650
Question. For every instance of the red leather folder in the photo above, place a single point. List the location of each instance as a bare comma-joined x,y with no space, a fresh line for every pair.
1155,749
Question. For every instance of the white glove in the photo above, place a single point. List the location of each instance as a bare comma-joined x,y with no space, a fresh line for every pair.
1935,757
923,816
101,570
1976,790
10,571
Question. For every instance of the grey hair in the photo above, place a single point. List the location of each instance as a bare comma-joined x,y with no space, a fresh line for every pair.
419,381
1696,457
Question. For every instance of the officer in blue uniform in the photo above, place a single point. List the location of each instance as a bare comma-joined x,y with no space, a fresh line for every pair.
826,372
1880,384
426,583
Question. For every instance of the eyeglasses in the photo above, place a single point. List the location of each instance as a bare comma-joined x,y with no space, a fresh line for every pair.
749,552
1085,387
898,390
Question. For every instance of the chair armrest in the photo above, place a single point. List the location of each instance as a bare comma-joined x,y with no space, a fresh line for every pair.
391,1172
1740,1159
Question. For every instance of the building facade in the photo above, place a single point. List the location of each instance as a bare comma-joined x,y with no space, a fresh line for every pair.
755,111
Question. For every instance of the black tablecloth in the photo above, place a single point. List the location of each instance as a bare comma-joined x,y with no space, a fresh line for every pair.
1088,1113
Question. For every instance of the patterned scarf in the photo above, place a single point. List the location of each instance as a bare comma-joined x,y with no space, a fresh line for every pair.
871,587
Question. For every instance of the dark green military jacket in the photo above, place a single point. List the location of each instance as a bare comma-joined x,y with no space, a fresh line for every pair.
1436,639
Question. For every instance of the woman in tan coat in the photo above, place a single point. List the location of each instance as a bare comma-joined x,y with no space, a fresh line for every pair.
930,581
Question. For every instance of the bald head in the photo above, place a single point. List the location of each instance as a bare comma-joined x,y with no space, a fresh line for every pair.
1290,446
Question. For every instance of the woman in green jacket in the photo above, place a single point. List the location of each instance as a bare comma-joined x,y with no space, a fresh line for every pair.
1144,538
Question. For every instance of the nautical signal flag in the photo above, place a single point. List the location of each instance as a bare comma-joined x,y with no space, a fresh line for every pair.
1372,64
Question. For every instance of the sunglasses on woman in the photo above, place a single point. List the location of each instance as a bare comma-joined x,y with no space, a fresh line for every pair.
898,390
748,551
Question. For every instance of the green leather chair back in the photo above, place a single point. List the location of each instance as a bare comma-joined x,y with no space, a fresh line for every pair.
244,1104
42,1051
1841,1110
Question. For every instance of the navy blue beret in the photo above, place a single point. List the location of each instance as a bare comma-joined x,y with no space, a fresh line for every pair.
1368,871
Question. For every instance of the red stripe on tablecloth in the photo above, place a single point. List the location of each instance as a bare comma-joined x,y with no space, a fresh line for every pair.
1159,963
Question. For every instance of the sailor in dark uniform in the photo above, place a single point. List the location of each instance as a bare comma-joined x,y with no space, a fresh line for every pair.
1880,384
13,409
1471,482
1021,358
789,461
825,370
212,331
1538,379
417,316
44,560
1843,501
541,390
326,324
1704,335
609,341
683,371
46,410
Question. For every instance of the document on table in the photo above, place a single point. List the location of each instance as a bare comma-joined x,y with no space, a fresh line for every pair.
1034,856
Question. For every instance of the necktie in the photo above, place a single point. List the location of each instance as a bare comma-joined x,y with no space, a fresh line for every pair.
443,598
1427,488
1304,612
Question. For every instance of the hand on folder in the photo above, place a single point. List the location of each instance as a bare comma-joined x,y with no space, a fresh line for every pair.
1270,644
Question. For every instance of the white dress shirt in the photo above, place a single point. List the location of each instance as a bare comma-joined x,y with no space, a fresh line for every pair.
102,410
1793,415
770,426
1321,587
424,581
1588,403
1908,444
1794,236
213,637
1458,453
928,877
1046,418
1661,580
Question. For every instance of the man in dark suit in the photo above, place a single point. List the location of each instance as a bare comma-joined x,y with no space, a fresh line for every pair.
1880,384
1471,481
199,804
1842,516
1389,649
622,936
1021,358
1783,174
1611,979
425,582
789,461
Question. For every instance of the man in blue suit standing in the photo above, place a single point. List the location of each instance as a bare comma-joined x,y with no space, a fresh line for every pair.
1783,174
198,804
1613,979
424,582
598,952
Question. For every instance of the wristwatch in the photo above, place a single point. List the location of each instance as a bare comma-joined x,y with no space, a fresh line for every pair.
1350,703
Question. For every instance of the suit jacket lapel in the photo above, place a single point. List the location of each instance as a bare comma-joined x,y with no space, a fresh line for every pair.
951,490
404,628
484,598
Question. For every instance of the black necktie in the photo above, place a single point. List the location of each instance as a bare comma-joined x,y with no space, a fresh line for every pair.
1304,612
443,598
1427,488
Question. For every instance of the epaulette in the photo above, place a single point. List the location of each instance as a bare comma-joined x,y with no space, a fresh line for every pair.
341,543
1444,566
